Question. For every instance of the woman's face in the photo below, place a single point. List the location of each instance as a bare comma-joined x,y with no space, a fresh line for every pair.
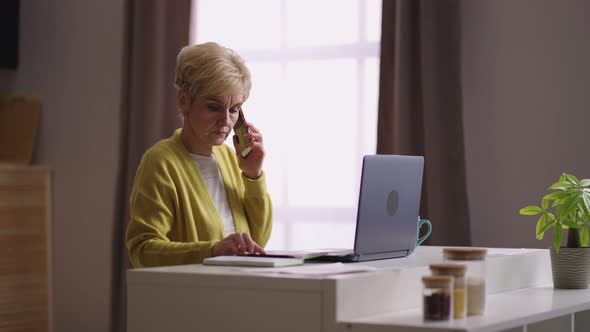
211,119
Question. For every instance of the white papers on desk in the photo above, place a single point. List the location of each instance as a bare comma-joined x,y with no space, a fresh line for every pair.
316,269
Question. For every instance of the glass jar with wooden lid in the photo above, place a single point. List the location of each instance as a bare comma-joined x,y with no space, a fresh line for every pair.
457,271
475,276
437,303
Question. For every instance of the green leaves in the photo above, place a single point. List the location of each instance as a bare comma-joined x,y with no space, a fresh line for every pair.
561,185
570,223
556,195
543,224
572,179
566,206
530,210
584,236
585,206
544,204
567,211
557,238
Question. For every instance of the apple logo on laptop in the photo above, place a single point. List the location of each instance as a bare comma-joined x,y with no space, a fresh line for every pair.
392,202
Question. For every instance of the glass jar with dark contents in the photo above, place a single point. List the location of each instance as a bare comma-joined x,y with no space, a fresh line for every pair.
437,298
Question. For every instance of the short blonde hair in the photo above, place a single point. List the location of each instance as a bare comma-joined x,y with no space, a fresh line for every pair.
210,69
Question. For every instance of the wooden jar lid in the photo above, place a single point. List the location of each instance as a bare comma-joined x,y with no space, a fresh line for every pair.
437,281
465,254
456,270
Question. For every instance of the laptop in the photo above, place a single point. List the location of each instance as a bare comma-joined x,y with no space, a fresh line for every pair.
387,215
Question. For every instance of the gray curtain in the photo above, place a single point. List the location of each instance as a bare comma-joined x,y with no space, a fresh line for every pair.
420,107
155,32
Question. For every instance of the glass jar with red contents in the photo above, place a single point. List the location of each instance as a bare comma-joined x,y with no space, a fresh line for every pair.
437,294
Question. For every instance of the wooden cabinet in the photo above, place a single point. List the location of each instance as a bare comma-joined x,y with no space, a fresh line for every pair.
24,248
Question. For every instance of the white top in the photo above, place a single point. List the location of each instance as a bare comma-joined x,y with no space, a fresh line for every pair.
211,174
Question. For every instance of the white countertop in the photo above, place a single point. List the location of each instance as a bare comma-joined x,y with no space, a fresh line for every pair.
503,311
532,266
422,257
388,299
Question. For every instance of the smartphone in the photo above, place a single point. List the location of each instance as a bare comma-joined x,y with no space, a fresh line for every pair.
240,129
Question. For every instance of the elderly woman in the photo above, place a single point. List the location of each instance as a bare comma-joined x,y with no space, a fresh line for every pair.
193,196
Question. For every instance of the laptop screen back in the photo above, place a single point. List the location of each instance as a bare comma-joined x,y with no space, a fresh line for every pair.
389,203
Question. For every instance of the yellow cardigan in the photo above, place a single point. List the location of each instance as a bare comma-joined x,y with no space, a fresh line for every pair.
173,218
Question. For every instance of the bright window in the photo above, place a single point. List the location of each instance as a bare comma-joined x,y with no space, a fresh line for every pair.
315,73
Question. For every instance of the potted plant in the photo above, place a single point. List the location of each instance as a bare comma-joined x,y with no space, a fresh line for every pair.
566,206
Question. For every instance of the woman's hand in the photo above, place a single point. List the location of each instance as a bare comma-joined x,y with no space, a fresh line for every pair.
251,165
236,244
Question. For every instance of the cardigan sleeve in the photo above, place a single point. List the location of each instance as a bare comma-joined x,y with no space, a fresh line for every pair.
258,209
152,214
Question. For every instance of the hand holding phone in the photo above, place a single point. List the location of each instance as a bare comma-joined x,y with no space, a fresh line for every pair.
240,129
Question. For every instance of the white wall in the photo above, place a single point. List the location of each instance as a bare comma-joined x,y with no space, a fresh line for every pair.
71,55
526,76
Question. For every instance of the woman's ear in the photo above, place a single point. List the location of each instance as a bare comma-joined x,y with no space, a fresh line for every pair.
182,101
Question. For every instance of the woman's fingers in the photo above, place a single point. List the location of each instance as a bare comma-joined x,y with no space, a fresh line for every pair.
258,148
249,243
255,249
251,127
239,244
254,136
253,132
258,249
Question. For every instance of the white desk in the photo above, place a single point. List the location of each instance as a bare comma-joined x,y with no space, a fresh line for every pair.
197,297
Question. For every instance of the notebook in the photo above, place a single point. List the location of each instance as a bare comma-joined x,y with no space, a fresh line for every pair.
303,254
252,261
387,214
